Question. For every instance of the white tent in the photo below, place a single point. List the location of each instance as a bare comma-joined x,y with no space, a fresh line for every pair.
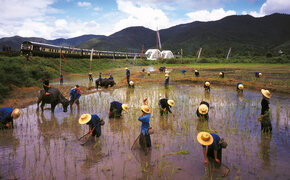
167,54
153,54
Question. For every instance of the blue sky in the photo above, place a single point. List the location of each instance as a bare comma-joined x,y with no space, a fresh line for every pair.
52,19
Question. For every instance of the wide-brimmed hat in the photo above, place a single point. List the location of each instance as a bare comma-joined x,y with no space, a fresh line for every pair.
260,74
145,109
170,102
266,93
241,86
16,113
125,107
205,138
203,109
166,75
131,83
126,68
85,118
148,72
195,70
221,73
207,83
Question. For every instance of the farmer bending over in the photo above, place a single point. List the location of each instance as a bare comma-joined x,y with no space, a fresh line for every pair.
258,74
74,96
240,87
214,143
7,115
131,84
94,123
196,73
165,106
202,110
116,109
221,74
206,86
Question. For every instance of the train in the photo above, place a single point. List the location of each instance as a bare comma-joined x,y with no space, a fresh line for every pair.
48,50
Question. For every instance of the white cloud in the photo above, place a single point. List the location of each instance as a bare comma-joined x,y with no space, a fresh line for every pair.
213,15
97,9
273,6
84,4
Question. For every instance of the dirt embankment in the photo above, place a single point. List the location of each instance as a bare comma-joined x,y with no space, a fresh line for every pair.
23,97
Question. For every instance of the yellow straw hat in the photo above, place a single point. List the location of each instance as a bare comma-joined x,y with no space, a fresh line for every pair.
166,75
195,70
125,107
85,118
241,86
131,83
260,74
148,72
266,93
205,138
145,108
16,113
126,68
220,73
203,109
170,102
207,83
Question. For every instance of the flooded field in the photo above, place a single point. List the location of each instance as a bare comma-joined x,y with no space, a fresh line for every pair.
45,146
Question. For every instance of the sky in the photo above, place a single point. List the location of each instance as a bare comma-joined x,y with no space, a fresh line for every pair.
53,19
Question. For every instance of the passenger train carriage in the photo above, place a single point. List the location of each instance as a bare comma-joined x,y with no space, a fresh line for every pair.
49,50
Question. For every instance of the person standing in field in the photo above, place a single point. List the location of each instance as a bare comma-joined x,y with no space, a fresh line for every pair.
196,73
144,138
215,145
7,115
74,96
266,125
116,109
166,80
128,75
94,123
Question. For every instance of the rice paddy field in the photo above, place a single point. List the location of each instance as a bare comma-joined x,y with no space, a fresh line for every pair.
46,146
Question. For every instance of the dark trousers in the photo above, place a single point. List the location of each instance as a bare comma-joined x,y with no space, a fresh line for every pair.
145,140
45,88
266,125
128,79
210,152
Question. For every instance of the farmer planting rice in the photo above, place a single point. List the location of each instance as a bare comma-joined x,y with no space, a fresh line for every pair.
196,73
74,96
94,123
183,72
128,75
266,125
215,145
165,105
145,140
166,79
131,84
202,110
116,109
7,115
221,74
258,74
206,86
240,87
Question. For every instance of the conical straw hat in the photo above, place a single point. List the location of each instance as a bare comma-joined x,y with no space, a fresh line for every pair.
85,118
170,102
131,83
16,113
125,107
207,83
241,86
205,138
203,109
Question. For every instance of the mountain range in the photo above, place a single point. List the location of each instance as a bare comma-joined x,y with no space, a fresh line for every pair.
245,34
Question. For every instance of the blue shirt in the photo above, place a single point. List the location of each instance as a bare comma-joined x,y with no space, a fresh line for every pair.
111,78
100,76
183,71
216,140
145,123
257,74
238,85
116,107
95,122
128,72
74,94
167,80
5,115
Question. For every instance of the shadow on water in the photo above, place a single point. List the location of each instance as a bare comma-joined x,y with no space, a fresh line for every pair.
46,146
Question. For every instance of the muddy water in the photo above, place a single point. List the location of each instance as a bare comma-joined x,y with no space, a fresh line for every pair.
45,146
